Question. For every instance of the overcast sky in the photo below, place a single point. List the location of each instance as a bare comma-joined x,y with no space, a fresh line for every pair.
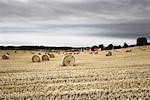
73,22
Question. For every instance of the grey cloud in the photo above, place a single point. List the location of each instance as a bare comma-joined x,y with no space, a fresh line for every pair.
50,9
128,35
112,18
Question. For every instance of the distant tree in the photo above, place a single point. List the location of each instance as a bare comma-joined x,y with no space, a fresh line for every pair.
125,45
110,46
94,47
117,47
101,46
142,41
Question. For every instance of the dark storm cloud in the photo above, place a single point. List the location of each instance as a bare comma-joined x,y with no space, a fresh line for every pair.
115,18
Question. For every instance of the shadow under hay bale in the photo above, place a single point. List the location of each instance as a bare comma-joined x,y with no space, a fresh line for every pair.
5,56
69,60
45,58
129,50
51,55
109,53
36,58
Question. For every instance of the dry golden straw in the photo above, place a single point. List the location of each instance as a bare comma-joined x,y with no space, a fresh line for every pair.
36,58
51,55
45,58
6,56
96,52
69,60
129,50
109,53
32,53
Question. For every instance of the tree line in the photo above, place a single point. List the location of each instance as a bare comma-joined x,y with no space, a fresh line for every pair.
140,41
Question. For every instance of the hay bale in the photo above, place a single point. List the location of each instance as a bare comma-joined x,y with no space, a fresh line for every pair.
68,60
70,53
141,48
7,53
96,52
36,58
51,55
66,53
5,56
32,53
109,53
46,53
129,50
45,58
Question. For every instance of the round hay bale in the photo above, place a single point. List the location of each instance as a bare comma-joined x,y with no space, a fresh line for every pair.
7,53
46,53
109,53
32,53
141,48
45,58
96,52
5,56
70,53
51,55
66,53
129,50
36,58
69,60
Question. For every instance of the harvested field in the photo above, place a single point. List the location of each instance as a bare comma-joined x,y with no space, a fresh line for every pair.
122,76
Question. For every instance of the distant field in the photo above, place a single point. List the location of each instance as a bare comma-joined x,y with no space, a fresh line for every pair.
122,76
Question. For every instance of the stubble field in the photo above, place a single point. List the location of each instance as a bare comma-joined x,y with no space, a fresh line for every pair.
122,76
